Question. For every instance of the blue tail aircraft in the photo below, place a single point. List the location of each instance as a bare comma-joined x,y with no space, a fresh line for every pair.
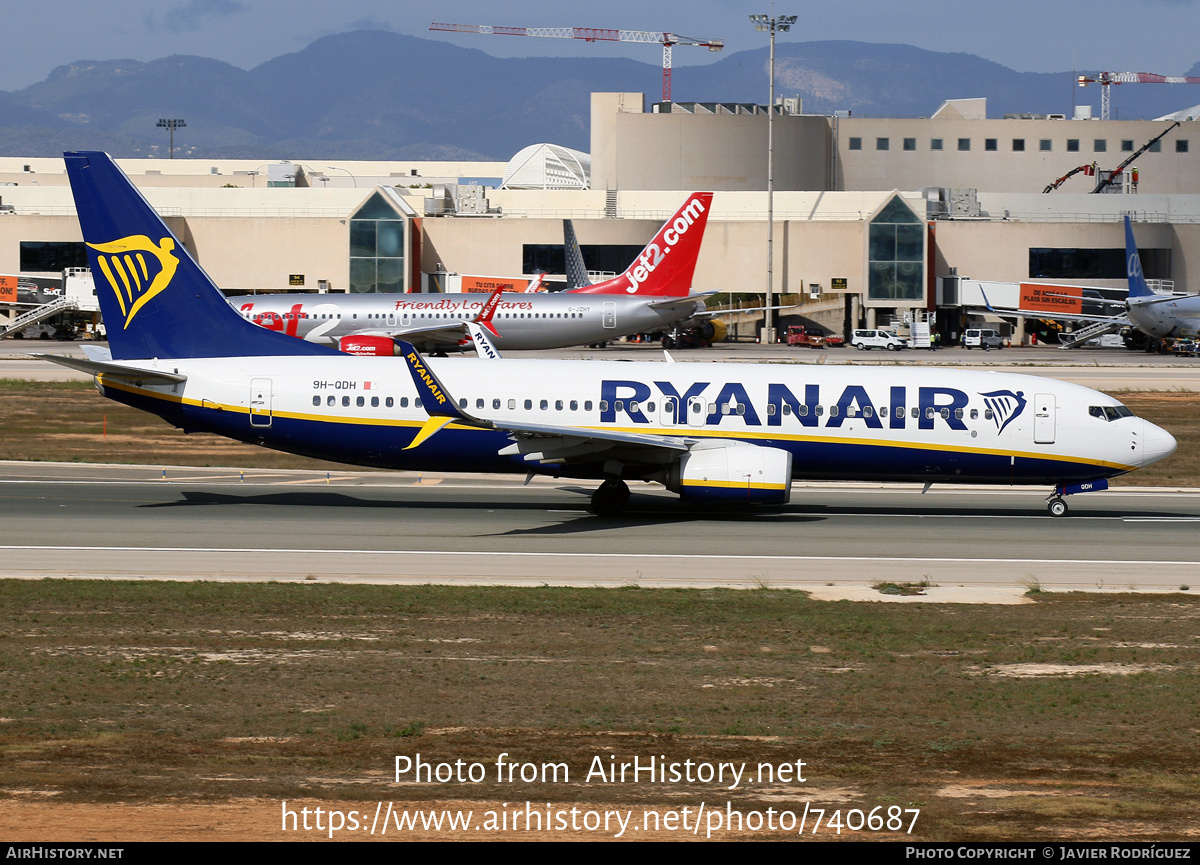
729,434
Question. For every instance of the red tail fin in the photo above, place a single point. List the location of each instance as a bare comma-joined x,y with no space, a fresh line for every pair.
666,265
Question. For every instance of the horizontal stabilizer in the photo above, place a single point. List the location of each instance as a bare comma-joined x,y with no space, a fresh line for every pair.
115,370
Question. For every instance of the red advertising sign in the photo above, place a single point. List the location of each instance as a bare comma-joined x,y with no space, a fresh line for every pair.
488,284
1043,297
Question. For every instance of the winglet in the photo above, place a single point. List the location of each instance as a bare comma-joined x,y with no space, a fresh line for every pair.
986,302
489,309
1133,265
434,397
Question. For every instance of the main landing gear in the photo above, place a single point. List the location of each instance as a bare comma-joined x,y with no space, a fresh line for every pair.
611,498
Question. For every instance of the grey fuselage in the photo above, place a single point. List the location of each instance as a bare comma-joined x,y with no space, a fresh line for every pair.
521,321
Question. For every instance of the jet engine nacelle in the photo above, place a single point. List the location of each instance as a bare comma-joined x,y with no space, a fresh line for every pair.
732,472
376,346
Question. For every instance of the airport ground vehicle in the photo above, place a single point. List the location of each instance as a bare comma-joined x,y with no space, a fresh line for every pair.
798,334
715,434
864,339
984,338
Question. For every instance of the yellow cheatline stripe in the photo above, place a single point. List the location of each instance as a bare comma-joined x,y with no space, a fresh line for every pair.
741,485
688,432
112,281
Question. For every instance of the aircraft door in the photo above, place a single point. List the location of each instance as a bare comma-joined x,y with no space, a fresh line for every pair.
405,318
697,411
608,315
1043,419
391,318
668,417
260,402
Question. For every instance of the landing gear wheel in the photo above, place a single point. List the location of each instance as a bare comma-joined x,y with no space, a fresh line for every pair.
611,498
1057,507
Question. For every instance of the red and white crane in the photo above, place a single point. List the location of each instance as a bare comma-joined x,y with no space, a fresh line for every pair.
1107,79
591,34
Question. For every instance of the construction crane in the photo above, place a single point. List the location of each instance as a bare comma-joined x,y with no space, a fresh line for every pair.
1104,179
1107,79
589,34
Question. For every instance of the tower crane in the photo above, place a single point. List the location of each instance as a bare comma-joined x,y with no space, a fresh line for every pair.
1107,79
590,34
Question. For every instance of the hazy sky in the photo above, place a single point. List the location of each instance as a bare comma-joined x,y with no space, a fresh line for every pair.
1026,35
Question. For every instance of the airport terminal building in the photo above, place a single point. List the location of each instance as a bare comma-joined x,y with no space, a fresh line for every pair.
870,213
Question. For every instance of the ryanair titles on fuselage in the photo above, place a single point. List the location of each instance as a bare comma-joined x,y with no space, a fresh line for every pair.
928,405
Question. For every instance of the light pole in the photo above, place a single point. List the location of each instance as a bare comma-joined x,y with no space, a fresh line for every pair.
782,23
352,177
172,124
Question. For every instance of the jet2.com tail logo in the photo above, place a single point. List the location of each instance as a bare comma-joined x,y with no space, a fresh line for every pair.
136,269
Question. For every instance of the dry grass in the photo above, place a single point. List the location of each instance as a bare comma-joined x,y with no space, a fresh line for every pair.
145,692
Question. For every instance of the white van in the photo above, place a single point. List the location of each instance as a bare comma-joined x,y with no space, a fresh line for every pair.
864,339
982,338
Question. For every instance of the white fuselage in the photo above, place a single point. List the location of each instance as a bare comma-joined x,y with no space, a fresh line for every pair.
1160,317
521,321
886,423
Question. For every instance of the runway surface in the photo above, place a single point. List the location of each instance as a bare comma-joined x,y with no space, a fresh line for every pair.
70,520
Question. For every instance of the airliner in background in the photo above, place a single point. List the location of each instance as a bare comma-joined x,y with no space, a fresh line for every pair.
716,434
1162,316
653,294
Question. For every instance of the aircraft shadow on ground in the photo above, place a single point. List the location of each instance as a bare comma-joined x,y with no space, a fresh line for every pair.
643,509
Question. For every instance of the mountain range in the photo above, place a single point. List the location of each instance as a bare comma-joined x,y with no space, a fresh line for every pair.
374,94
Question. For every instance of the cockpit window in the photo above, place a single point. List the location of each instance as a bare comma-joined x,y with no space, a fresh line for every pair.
1109,412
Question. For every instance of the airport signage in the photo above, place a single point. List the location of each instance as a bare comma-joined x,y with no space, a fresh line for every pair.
1045,297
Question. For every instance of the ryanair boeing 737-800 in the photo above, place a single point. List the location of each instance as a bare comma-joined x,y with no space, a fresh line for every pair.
730,434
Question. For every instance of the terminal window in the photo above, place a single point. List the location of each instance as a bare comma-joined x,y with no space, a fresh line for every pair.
856,144
1181,146
910,144
1156,147
1019,144
1072,145
896,254
989,144
1044,144
51,256
1100,145
935,144
376,248
597,257
1127,145
1073,263
881,144
964,144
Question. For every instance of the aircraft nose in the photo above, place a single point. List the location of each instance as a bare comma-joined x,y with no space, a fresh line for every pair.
1157,443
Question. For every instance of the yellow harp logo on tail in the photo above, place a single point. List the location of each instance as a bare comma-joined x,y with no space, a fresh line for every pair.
137,269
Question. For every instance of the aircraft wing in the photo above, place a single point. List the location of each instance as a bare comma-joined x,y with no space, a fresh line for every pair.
675,302
115,370
537,442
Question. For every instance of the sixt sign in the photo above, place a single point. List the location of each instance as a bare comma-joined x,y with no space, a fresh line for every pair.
807,405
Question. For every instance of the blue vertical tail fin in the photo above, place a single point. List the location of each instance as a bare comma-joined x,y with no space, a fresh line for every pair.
156,301
1133,265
